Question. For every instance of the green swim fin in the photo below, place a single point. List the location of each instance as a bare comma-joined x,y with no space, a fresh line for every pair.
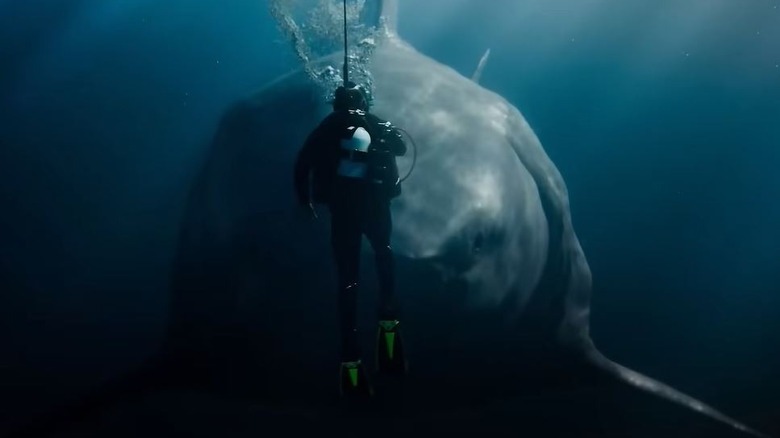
354,381
390,354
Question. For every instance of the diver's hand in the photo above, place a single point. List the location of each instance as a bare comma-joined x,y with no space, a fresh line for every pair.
313,211
309,212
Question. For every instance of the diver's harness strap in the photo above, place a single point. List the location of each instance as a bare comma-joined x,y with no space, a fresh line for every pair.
354,155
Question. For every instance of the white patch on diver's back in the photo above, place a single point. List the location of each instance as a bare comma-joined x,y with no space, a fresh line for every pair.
359,142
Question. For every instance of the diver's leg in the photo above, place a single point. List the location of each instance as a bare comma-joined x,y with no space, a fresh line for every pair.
378,228
345,240
390,355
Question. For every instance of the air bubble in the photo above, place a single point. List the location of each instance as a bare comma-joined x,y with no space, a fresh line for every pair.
318,32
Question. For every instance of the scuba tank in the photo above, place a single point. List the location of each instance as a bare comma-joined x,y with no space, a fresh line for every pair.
367,152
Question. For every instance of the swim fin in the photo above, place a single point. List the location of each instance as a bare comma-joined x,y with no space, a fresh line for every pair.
354,381
390,354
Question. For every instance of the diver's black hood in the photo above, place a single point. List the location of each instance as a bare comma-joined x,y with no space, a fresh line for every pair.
349,97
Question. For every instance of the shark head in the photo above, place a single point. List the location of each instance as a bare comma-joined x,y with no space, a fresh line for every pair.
470,207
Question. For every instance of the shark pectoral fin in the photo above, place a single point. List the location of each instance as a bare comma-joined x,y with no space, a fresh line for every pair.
480,67
665,391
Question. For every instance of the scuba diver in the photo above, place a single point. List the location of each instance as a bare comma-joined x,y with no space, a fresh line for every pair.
348,163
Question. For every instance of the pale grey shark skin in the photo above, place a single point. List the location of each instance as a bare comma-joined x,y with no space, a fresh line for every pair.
485,203
469,181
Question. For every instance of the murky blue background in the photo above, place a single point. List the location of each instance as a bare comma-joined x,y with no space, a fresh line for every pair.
663,117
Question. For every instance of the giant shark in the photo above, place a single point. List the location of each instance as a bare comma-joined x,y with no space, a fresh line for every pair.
494,286
484,225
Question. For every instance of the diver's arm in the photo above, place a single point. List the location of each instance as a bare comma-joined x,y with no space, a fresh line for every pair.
392,136
302,168
397,144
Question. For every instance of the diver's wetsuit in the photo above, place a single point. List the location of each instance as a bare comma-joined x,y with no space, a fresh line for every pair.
357,211
357,181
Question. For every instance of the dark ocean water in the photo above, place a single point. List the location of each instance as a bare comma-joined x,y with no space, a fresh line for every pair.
663,117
